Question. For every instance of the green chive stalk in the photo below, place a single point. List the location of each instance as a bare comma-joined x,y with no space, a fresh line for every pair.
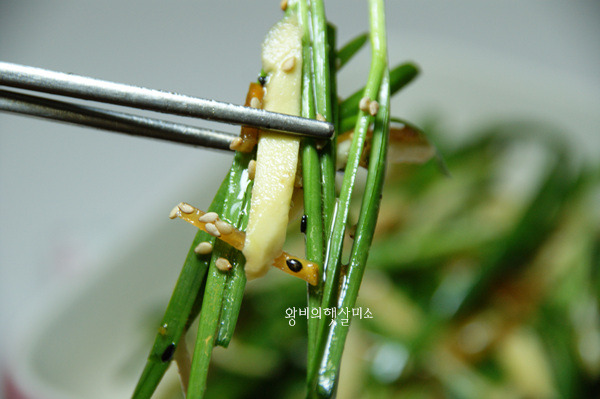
182,308
236,278
378,68
232,302
365,229
234,211
324,97
209,320
311,175
324,380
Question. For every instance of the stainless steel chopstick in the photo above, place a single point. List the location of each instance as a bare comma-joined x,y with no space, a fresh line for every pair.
20,103
42,80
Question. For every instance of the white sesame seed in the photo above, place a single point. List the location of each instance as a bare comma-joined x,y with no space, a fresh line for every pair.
288,64
283,5
251,169
204,248
212,230
208,217
186,208
321,118
224,227
364,103
255,102
235,143
223,264
373,108
174,212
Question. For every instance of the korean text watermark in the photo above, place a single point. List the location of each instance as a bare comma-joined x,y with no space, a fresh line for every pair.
316,313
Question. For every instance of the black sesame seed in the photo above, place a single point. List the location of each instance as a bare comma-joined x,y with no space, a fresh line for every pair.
294,265
303,223
167,355
262,79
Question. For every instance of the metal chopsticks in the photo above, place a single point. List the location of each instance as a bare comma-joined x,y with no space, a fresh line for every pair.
70,85
120,122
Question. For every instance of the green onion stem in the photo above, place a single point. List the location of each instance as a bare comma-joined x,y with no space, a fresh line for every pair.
323,104
182,308
326,382
235,284
210,315
318,166
311,176
341,216
365,230
209,319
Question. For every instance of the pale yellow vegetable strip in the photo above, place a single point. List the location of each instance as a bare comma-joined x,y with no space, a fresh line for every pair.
277,154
